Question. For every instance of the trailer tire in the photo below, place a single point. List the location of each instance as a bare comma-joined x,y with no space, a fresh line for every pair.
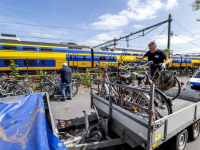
193,131
179,141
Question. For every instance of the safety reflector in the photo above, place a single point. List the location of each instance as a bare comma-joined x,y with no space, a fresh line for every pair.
154,146
170,100
191,122
182,83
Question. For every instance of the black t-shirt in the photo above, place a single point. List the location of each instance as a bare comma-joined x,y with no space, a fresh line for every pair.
157,57
66,74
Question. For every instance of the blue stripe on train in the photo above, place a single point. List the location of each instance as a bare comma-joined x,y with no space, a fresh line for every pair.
20,62
179,61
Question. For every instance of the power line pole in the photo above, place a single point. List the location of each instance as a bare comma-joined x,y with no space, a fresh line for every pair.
114,41
169,33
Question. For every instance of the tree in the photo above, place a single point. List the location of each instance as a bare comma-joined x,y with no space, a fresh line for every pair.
196,6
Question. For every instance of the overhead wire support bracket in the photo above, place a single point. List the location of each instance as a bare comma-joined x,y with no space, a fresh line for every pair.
114,41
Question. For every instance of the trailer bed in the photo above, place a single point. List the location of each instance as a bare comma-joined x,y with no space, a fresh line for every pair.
135,130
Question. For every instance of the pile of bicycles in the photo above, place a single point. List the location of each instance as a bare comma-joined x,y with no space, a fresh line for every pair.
14,87
137,76
51,84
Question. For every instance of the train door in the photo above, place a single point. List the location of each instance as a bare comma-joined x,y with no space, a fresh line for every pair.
73,60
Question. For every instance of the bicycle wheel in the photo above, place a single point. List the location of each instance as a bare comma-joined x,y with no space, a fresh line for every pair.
21,91
77,80
138,98
175,90
103,91
74,90
162,105
48,88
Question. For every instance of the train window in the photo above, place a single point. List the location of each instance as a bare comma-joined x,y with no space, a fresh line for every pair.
43,63
28,48
46,49
135,54
102,58
75,57
7,62
113,58
74,47
84,57
30,63
70,57
127,54
9,47
110,58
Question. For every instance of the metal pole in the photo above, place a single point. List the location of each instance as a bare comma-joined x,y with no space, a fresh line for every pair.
150,115
110,104
91,91
169,33
27,66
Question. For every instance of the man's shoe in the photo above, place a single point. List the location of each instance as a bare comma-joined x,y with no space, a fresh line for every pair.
69,98
61,99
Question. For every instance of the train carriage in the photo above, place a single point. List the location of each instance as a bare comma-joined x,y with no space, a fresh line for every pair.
50,56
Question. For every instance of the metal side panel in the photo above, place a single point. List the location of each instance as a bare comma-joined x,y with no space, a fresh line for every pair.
126,118
175,123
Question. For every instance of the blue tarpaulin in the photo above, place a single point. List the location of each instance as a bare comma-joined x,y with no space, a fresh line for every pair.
23,126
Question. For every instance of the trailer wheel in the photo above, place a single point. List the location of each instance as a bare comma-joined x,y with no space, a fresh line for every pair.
179,141
194,131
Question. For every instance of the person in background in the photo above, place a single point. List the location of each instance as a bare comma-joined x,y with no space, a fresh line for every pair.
66,79
157,56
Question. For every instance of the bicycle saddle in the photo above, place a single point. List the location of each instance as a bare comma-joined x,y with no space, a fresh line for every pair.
140,77
124,77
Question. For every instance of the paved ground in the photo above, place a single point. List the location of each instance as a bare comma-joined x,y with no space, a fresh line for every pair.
72,109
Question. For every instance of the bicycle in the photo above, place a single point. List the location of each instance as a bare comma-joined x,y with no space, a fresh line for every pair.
11,88
165,84
162,105
51,84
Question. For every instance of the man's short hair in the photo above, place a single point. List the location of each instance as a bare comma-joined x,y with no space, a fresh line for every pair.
152,44
64,64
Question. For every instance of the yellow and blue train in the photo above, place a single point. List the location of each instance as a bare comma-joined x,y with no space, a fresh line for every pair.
48,56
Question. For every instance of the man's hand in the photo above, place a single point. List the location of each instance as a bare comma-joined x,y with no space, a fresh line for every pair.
54,72
163,65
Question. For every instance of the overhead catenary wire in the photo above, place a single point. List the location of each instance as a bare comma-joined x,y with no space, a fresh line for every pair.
39,25
58,39
187,40
47,33
186,29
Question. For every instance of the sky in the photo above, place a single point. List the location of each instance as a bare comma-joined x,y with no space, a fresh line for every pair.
92,22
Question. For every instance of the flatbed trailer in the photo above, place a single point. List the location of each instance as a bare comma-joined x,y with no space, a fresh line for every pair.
173,129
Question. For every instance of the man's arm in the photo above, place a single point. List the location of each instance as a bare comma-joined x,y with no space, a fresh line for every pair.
143,56
58,71
54,72
167,60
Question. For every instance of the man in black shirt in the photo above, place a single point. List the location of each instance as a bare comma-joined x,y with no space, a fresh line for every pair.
157,56
66,79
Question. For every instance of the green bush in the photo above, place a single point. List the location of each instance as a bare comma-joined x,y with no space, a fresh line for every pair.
41,74
85,78
14,71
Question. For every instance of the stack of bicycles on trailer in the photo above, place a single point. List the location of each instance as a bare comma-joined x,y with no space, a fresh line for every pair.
136,75
15,87
51,84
